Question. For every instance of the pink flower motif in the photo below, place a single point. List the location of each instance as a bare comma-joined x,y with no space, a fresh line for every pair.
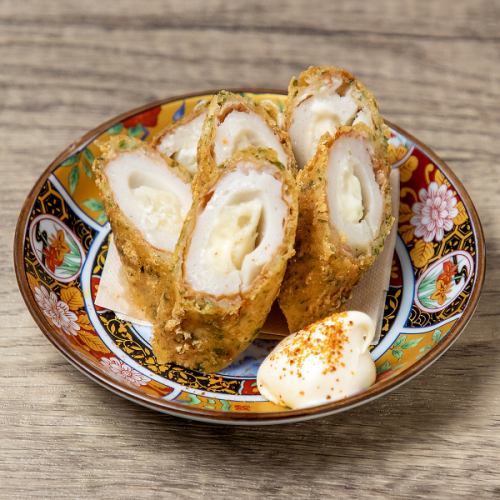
434,213
120,370
57,311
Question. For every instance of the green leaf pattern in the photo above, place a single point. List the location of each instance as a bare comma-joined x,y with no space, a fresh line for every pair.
79,161
386,365
138,131
402,344
70,161
115,129
427,288
98,207
74,176
437,336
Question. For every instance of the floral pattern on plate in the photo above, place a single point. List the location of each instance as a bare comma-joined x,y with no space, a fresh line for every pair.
56,247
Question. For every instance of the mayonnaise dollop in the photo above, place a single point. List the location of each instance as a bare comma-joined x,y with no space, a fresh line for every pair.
327,361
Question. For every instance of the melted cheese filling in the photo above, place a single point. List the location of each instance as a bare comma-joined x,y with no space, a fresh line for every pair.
237,232
234,236
351,196
354,199
323,112
159,211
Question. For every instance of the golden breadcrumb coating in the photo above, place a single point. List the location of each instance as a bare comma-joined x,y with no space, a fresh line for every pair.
315,77
220,106
206,332
156,139
322,274
148,269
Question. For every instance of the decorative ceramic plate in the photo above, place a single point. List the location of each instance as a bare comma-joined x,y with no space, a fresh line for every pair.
61,245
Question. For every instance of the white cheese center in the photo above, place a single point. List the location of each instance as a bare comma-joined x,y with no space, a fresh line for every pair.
238,231
355,202
234,236
181,144
160,212
351,197
151,196
323,112
239,130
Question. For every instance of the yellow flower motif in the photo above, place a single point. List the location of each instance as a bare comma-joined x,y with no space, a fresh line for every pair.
421,253
405,213
438,176
462,216
391,154
406,170
57,249
407,232
441,293
395,154
401,151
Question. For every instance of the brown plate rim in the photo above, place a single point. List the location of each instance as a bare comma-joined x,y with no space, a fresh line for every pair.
179,409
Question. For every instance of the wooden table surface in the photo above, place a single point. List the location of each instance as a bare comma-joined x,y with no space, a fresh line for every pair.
66,66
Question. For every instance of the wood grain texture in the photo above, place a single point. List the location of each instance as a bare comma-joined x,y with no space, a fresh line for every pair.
66,66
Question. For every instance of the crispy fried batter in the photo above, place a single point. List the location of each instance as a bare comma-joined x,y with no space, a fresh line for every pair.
147,268
156,140
315,77
207,332
220,106
322,274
